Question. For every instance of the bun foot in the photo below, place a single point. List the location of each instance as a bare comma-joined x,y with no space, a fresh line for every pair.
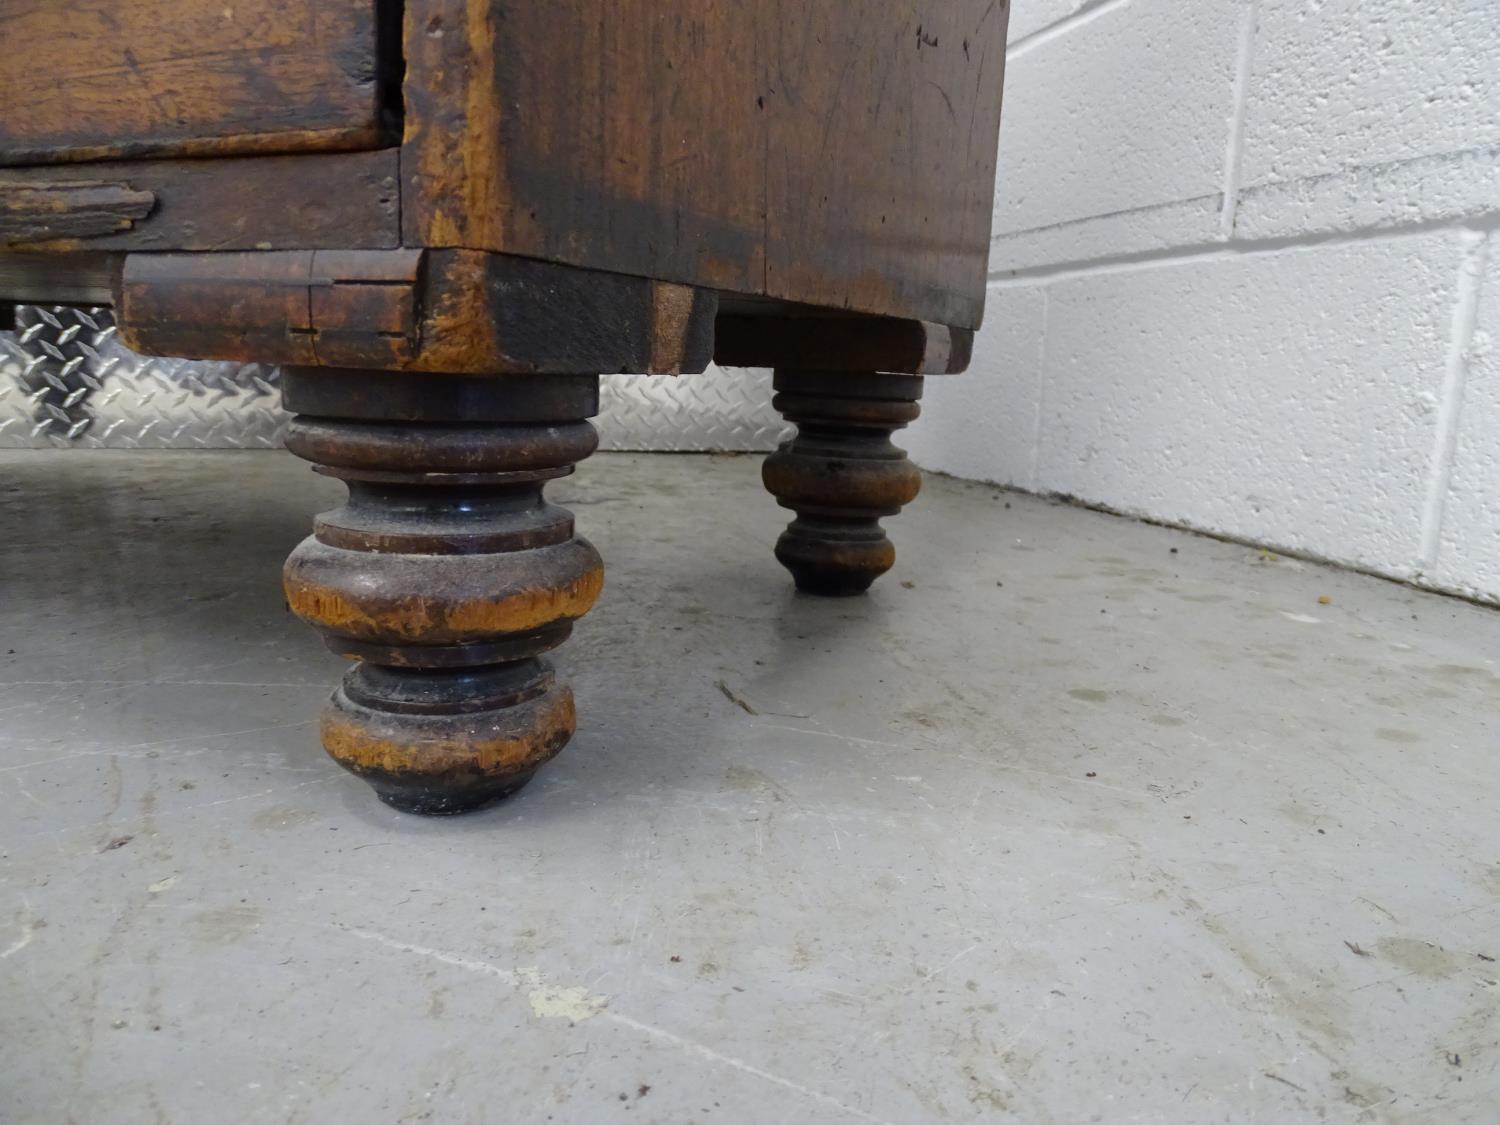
834,560
444,742
446,575
841,474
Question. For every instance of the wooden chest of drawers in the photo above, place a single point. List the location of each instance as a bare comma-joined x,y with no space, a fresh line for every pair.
447,218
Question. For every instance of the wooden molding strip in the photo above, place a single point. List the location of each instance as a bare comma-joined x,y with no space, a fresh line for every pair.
43,212
460,311
842,343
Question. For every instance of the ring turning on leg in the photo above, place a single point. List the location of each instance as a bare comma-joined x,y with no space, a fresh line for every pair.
445,575
840,474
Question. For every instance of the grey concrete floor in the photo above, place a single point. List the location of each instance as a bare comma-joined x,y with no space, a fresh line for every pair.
1071,819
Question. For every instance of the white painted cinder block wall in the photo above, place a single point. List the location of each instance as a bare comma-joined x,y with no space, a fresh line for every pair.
1245,277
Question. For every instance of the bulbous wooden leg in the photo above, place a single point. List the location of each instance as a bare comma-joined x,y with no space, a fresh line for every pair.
840,474
445,575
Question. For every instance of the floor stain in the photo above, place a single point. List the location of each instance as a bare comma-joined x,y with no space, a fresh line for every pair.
1300,993
550,1001
279,818
1490,876
1089,695
1459,671
226,925
1423,957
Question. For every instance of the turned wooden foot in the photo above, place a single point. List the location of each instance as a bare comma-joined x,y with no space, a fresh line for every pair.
840,474
445,575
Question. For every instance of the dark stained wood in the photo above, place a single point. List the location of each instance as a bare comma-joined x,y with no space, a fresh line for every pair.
880,155
842,343
362,307
42,212
273,307
558,131
249,307
682,329
59,279
395,396
441,310
490,313
818,151
259,202
95,79
446,576
841,474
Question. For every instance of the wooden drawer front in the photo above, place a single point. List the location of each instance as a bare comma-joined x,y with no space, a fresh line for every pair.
94,79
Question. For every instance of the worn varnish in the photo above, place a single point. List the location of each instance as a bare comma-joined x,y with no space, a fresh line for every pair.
43,211
439,310
812,150
841,474
446,575
342,200
841,343
84,80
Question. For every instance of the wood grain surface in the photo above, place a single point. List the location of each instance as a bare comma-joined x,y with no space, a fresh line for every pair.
818,151
243,203
453,311
129,78
41,211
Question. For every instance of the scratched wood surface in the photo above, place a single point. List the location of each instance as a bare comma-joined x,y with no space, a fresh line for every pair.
811,150
449,311
349,200
89,80
41,211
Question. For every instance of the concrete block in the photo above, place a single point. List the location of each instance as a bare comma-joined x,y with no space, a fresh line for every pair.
1027,17
1344,83
1452,186
1288,397
1469,544
1125,110
982,424
1167,227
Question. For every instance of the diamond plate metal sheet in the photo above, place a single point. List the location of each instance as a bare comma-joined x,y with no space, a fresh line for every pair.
723,409
67,382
